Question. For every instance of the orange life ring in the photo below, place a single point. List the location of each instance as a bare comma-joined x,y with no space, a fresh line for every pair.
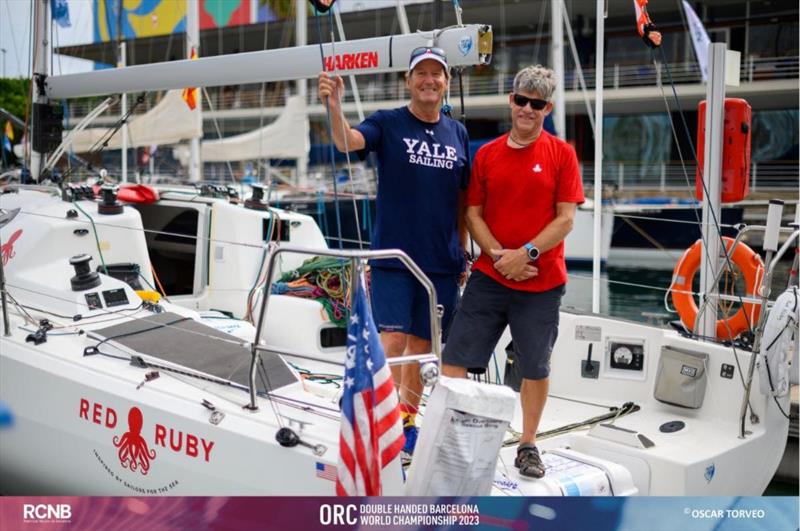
751,267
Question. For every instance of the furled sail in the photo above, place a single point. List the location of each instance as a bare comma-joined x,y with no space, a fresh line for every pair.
170,121
285,138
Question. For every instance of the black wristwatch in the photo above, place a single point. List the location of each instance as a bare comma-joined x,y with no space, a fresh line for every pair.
532,250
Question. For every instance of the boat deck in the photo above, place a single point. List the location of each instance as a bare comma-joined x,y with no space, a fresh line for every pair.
187,343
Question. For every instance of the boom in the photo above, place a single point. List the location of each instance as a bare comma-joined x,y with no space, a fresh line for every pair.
465,46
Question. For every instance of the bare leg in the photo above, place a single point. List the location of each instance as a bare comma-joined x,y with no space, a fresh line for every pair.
411,390
533,395
394,344
454,371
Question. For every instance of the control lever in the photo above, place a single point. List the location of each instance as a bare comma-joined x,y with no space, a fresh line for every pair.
590,368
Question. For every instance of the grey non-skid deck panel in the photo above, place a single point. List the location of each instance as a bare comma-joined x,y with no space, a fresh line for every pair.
199,347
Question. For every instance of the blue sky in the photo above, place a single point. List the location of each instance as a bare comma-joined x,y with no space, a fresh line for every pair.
15,34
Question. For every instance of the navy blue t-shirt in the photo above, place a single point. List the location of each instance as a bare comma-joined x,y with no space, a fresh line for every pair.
422,168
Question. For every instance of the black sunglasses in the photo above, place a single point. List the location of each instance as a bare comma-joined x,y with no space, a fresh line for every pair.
423,50
522,101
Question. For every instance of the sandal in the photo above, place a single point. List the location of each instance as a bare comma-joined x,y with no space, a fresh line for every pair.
529,462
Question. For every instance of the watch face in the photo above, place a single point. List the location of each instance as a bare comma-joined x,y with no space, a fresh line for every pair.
533,253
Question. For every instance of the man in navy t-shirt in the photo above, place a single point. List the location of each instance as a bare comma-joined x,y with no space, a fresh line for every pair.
423,170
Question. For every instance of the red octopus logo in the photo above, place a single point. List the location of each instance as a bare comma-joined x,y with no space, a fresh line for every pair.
133,450
7,249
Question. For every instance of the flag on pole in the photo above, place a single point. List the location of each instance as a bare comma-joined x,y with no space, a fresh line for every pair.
190,95
700,40
60,10
641,15
8,136
371,433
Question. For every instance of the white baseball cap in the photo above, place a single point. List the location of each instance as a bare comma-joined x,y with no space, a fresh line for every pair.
428,52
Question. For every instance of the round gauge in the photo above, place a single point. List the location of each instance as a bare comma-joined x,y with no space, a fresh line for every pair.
623,356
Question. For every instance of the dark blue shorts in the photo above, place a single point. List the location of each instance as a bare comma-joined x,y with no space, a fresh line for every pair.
400,302
486,308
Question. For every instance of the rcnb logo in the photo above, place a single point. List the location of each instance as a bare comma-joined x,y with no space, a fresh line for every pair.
46,512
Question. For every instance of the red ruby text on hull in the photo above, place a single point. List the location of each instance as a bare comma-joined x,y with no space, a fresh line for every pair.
164,436
177,441
95,411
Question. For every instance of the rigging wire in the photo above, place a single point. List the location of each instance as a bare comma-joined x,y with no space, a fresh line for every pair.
94,232
209,239
263,375
13,37
725,251
328,122
346,146
261,92
216,127
102,142
669,220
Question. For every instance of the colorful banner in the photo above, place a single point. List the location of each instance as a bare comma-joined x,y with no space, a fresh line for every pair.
149,18
542,514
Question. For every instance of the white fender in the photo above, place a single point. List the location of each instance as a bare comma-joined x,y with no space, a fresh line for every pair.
778,343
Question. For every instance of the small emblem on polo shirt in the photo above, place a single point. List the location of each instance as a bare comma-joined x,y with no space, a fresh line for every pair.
537,168
429,131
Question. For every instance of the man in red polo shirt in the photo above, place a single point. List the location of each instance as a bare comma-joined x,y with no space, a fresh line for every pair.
521,201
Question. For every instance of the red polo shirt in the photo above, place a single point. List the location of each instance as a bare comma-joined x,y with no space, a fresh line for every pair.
519,189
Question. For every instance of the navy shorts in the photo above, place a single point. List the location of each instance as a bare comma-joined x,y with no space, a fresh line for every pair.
400,302
486,308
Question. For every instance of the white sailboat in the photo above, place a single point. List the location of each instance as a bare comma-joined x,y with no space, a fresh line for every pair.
142,397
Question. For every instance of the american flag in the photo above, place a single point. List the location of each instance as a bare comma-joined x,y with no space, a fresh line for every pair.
326,471
371,433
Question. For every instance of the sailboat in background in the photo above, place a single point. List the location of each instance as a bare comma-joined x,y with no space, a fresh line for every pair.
170,121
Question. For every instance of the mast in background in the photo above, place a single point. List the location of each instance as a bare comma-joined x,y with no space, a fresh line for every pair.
557,62
402,18
301,22
193,42
598,156
41,68
122,62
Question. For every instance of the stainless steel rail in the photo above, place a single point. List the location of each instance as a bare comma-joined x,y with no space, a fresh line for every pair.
357,257
765,292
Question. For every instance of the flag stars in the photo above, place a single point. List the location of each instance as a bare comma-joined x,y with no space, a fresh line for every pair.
349,382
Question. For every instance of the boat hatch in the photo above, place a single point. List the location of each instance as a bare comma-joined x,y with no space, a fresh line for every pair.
173,233
198,347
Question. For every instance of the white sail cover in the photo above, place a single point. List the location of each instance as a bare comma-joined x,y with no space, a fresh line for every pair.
170,121
285,138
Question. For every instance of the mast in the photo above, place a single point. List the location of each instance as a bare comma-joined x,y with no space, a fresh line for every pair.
712,175
123,58
557,60
598,156
301,27
402,18
193,41
40,70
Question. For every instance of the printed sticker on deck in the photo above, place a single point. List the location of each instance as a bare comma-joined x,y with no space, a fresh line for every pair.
588,333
